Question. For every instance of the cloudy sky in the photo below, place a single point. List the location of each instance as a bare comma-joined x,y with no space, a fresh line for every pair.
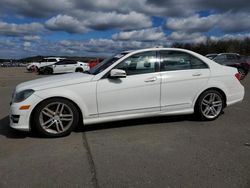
103,27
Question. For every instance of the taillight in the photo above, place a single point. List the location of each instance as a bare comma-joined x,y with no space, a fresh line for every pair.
237,75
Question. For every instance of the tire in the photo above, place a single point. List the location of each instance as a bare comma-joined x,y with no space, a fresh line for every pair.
56,117
79,70
48,71
209,105
242,73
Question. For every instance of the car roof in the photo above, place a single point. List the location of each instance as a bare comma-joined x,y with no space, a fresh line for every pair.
54,58
156,49
228,54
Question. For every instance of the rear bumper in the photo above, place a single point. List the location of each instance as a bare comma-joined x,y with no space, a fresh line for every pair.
237,96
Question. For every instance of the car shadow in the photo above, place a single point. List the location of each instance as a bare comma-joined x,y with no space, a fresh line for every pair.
136,122
8,132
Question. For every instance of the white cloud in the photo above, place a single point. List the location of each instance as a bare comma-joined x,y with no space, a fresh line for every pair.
27,44
111,20
65,23
11,29
31,38
186,38
151,34
227,22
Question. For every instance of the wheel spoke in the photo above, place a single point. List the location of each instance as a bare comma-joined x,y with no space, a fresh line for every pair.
58,107
62,108
48,112
206,111
61,125
48,121
212,97
217,103
205,102
213,111
57,126
50,125
66,119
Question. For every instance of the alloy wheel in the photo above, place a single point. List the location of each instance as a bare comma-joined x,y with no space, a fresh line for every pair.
56,118
211,105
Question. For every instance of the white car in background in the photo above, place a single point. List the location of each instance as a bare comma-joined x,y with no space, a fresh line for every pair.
43,62
131,84
64,66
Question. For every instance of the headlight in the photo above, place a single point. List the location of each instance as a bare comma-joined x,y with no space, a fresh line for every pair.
21,96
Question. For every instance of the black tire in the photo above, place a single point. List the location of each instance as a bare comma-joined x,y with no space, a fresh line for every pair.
201,109
242,73
48,71
79,70
53,130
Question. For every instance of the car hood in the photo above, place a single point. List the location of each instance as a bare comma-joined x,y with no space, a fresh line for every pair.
54,81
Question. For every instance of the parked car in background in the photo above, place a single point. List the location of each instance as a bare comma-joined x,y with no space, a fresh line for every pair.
93,62
211,56
233,60
64,66
43,62
131,84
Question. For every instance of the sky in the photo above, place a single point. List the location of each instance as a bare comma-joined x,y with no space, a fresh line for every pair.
104,27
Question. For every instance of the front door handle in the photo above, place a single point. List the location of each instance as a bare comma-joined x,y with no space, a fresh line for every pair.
153,79
197,74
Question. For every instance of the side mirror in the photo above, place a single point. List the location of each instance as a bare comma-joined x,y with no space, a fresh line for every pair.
117,73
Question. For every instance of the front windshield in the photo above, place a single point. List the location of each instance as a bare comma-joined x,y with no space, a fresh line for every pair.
106,63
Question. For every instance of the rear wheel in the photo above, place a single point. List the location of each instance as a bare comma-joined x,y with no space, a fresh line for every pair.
242,73
56,117
79,70
209,105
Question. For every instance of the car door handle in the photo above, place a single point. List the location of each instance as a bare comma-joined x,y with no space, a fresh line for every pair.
151,79
197,74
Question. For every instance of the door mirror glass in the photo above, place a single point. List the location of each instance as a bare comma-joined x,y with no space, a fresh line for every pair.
117,73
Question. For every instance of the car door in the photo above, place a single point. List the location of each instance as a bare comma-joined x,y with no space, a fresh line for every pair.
60,66
137,93
183,77
70,66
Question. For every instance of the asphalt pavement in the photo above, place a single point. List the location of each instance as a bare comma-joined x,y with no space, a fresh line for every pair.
173,151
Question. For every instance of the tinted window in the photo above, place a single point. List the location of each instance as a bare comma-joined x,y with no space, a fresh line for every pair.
52,60
140,63
66,62
175,60
231,56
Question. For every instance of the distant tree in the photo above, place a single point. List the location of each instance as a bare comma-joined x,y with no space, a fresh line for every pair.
217,46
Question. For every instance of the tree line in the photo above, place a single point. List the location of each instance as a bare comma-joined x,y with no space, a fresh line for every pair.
218,46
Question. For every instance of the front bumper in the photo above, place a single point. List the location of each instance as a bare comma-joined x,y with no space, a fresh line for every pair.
20,119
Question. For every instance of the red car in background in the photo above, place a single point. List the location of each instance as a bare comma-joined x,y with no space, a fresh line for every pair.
93,62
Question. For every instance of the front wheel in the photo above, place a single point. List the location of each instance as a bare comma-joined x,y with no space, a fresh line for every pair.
209,105
56,117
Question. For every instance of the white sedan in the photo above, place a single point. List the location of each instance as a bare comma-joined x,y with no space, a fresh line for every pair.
64,66
132,84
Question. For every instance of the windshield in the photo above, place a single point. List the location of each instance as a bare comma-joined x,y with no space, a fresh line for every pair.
106,63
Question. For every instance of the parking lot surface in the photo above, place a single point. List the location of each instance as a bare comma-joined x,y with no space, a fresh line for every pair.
174,151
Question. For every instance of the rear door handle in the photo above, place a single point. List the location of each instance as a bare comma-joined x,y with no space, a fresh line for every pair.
151,79
197,74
